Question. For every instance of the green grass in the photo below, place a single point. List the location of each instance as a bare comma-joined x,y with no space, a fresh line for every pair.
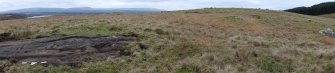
93,29
271,65
188,69
41,69
182,51
256,16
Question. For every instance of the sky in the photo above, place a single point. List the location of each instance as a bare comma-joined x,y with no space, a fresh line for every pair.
160,4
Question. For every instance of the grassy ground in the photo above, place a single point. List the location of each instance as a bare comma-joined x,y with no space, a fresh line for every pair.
193,41
329,15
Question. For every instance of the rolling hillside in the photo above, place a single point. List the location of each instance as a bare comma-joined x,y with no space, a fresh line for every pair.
191,41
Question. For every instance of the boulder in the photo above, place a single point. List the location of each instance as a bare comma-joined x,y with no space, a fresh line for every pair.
328,32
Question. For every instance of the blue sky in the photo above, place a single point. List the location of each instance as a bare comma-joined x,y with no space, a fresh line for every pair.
160,4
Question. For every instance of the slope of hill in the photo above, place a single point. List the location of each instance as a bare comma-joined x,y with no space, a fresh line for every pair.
191,41
10,16
332,15
319,9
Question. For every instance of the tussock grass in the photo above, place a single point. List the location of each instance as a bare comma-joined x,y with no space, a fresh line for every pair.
194,41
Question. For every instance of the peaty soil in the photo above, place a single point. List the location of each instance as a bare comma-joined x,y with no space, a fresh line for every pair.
64,50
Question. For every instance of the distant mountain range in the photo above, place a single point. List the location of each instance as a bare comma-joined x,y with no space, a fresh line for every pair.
30,12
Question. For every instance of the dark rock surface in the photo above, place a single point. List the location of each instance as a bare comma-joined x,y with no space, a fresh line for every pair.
64,50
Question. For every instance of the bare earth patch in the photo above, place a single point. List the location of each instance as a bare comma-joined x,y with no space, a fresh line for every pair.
64,50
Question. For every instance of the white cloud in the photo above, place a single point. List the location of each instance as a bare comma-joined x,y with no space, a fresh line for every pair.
161,4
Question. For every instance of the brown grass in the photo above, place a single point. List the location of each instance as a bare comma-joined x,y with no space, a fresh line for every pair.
326,40
332,15
196,41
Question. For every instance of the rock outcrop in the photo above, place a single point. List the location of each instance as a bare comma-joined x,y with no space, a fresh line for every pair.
328,32
64,50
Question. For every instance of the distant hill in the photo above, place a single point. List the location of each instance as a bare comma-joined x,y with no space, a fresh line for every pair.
10,16
29,12
319,9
